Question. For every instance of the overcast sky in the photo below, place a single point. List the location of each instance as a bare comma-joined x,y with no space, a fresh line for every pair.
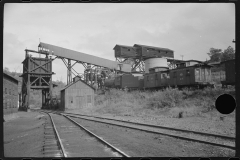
95,28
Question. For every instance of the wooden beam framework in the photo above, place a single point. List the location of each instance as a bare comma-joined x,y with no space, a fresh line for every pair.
37,74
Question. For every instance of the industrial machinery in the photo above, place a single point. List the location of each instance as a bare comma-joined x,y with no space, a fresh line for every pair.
37,72
137,55
90,63
197,75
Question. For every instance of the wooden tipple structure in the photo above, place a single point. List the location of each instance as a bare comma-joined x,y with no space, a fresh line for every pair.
137,54
37,74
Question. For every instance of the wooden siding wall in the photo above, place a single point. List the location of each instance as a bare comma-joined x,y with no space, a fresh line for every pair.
150,52
10,96
62,100
79,95
36,62
139,51
125,52
129,81
230,71
218,73
182,77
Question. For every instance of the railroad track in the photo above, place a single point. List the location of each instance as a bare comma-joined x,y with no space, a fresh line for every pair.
71,139
52,145
206,138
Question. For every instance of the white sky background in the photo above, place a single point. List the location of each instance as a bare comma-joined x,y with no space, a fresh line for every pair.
95,28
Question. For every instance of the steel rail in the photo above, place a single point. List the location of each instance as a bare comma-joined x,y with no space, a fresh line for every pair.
157,126
99,138
58,137
170,135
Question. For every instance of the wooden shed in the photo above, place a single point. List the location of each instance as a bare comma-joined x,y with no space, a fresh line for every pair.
77,95
151,52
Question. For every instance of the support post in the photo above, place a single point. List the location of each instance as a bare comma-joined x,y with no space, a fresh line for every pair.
50,91
28,86
69,72
43,98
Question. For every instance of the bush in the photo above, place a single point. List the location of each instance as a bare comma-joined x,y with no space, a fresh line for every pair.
179,103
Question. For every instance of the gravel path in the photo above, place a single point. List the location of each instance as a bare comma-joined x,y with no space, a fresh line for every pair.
209,122
23,135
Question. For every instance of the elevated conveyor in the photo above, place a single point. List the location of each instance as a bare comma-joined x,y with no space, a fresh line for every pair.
88,61
78,56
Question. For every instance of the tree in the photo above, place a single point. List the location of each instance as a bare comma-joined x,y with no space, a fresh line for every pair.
5,69
228,54
215,55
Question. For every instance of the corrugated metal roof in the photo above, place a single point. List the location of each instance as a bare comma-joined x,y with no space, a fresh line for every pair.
166,49
79,56
76,82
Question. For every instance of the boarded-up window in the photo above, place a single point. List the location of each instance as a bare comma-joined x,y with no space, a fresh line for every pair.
89,99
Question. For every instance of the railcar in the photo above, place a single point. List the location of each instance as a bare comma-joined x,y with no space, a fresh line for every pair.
159,79
230,73
124,81
109,83
198,75
127,81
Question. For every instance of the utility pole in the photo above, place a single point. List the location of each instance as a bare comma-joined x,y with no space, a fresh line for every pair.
182,56
39,53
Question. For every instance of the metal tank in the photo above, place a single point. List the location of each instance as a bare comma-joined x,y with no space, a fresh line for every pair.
109,83
154,63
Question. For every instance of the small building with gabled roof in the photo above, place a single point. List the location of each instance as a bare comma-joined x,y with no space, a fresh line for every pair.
10,94
77,95
151,52
123,51
188,63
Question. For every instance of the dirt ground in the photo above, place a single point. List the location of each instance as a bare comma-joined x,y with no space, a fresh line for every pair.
141,144
211,122
23,134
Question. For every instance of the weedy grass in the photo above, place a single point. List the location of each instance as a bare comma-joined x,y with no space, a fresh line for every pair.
170,102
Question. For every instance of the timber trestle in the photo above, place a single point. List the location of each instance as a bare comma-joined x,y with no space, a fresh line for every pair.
37,75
